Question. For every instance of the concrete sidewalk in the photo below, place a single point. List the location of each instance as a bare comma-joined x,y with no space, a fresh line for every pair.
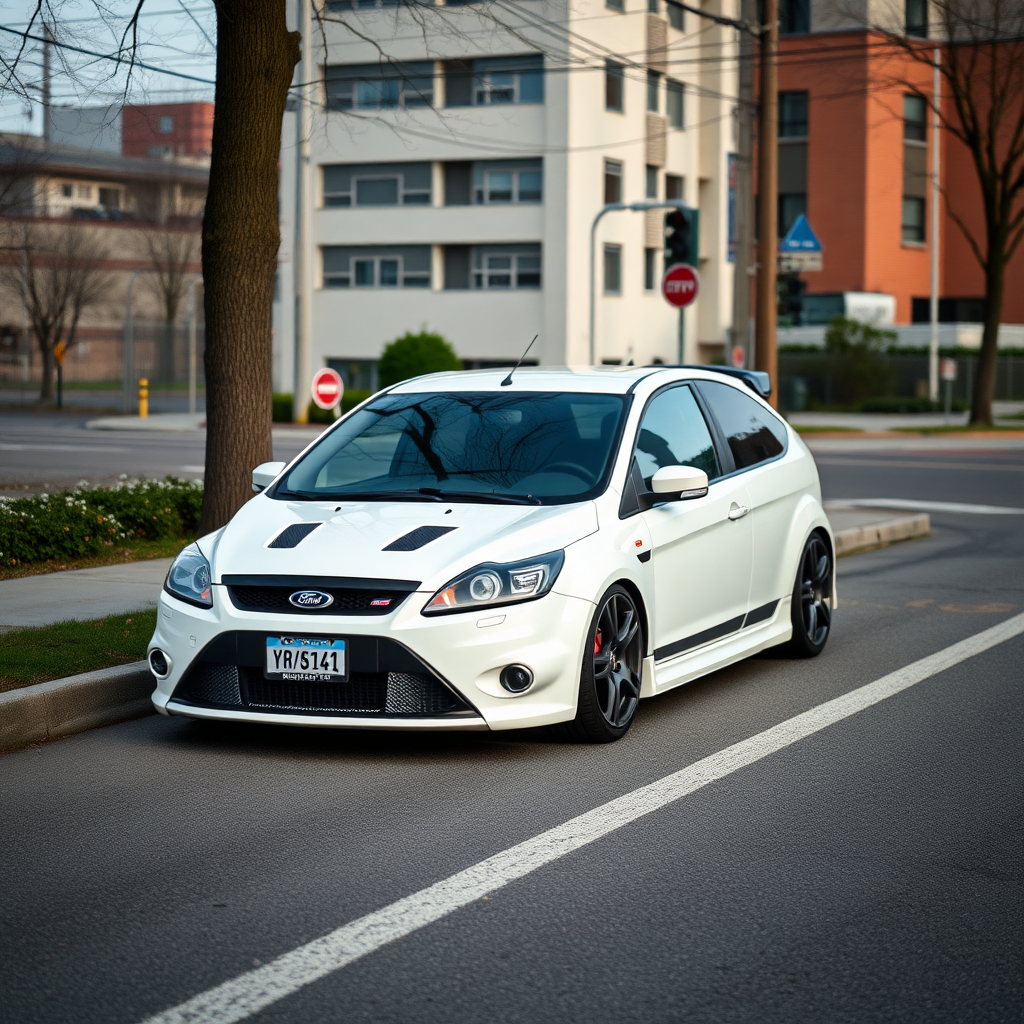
81,594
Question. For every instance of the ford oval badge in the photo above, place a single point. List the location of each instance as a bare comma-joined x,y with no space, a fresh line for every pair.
310,599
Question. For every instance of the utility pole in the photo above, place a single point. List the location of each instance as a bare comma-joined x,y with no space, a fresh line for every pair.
744,186
301,250
933,348
766,349
47,48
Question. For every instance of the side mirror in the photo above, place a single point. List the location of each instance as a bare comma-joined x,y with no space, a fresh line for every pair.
680,482
264,475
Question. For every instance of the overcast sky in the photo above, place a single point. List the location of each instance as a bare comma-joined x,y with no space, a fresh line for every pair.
171,36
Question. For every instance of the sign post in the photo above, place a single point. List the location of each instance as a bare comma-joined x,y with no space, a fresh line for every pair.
947,370
681,286
59,351
327,389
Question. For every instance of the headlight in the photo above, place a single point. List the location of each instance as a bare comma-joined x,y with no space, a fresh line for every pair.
189,578
489,584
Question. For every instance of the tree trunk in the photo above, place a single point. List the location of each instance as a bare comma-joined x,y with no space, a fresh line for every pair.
988,358
46,390
256,55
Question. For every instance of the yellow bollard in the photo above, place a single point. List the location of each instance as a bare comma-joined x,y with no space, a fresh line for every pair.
143,398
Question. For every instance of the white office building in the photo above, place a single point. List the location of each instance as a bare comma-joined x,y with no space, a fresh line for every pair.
455,180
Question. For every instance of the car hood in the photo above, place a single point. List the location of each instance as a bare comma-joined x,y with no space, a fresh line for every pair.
350,537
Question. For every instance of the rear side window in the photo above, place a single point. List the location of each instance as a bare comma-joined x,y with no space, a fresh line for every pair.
673,433
753,433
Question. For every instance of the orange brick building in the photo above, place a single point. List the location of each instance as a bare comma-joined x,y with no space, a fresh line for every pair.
855,156
168,130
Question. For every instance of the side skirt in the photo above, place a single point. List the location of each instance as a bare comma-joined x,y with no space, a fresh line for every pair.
673,672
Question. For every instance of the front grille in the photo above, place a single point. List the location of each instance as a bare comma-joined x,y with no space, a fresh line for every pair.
347,600
385,679
361,692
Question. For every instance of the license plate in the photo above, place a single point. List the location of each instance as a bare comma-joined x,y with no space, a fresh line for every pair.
306,659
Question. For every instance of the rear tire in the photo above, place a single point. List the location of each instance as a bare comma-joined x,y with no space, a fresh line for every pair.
612,665
811,607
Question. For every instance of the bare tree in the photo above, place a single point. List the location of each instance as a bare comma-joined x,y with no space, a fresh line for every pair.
173,253
64,276
20,158
982,67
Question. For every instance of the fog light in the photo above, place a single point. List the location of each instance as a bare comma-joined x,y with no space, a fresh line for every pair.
159,663
516,678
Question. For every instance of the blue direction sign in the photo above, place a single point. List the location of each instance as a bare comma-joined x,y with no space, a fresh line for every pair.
800,238
800,250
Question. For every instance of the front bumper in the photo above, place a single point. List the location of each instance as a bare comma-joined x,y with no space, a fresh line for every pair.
451,662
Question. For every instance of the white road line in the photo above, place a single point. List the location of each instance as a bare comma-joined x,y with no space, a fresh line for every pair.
249,993
927,506
58,448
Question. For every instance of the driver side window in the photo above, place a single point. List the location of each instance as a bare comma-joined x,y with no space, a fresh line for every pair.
673,433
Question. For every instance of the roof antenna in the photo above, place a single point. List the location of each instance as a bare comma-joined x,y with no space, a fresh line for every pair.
508,380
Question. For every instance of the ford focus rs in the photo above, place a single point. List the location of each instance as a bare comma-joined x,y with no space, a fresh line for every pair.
466,551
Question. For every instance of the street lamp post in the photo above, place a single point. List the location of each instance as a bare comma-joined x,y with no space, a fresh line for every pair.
649,204
128,356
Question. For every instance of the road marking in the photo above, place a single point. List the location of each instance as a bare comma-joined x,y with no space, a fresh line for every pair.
926,506
837,460
251,992
58,448
191,469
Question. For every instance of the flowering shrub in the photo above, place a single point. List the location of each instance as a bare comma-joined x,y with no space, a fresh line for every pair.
86,520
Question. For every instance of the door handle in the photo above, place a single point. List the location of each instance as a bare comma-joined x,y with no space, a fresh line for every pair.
737,511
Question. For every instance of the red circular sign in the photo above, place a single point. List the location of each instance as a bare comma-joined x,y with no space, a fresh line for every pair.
738,357
680,285
327,388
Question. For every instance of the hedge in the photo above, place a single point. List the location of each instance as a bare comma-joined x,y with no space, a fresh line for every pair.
282,406
86,520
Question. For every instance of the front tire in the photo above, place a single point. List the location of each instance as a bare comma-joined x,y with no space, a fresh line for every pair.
612,666
811,607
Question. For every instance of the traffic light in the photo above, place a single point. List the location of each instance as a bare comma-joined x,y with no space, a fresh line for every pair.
681,237
791,298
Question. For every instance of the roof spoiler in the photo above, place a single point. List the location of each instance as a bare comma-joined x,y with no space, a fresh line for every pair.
757,380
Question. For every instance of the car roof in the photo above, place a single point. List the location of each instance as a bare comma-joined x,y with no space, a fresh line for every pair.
593,379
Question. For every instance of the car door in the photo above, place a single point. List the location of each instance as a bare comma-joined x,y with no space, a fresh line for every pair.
700,547
757,439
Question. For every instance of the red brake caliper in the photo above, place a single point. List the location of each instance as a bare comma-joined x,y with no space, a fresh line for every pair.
597,642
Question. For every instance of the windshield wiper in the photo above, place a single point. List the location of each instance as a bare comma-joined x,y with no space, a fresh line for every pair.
362,495
482,496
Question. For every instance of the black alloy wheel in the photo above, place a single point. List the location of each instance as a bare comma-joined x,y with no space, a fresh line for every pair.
812,599
612,667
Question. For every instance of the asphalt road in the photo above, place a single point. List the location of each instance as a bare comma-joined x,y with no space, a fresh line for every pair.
57,450
869,872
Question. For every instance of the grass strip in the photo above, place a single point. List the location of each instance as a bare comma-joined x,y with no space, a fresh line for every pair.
807,428
964,428
141,551
62,649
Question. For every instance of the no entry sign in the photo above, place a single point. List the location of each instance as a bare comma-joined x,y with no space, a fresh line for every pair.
680,284
327,388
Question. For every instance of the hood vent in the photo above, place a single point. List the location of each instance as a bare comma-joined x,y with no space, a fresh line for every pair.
419,537
290,536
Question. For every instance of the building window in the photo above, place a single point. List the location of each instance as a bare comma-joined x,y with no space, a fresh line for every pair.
166,124
676,14
506,266
613,270
377,184
793,115
673,186
650,269
67,190
612,181
110,198
508,181
85,191
674,103
913,219
916,18
614,81
376,266
654,6
651,182
915,119
794,17
653,85
379,86
791,205
615,5
494,80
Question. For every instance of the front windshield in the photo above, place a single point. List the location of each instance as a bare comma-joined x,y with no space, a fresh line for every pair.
534,447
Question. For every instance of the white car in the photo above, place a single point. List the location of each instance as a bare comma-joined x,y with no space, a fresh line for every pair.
481,551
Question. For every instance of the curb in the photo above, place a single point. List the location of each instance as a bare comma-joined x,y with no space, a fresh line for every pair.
62,707
888,531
